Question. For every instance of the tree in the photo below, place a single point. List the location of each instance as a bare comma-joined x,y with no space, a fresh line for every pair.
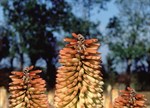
4,42
128,33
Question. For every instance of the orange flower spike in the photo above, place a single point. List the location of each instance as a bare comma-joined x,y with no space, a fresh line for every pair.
93,57
13,83
73,75
130,89
68,51
70,40
140,103
139,96
31,67
75,35
90,41
35,72
17,73
89,50
17,80
36,80
94,47
72,43
124,100
25,87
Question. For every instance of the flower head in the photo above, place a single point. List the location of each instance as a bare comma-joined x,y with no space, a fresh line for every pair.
79,78
27,89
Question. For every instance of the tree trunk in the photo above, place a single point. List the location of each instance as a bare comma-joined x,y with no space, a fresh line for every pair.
11,63
33,59
148,62
21,61
128,73
50,75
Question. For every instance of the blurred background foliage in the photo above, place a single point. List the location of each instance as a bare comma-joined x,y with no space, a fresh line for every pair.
33,30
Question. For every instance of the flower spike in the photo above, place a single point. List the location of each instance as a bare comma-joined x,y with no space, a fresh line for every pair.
27,89
79,78
130,99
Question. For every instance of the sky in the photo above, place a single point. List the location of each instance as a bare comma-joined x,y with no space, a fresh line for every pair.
1,15
105,15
